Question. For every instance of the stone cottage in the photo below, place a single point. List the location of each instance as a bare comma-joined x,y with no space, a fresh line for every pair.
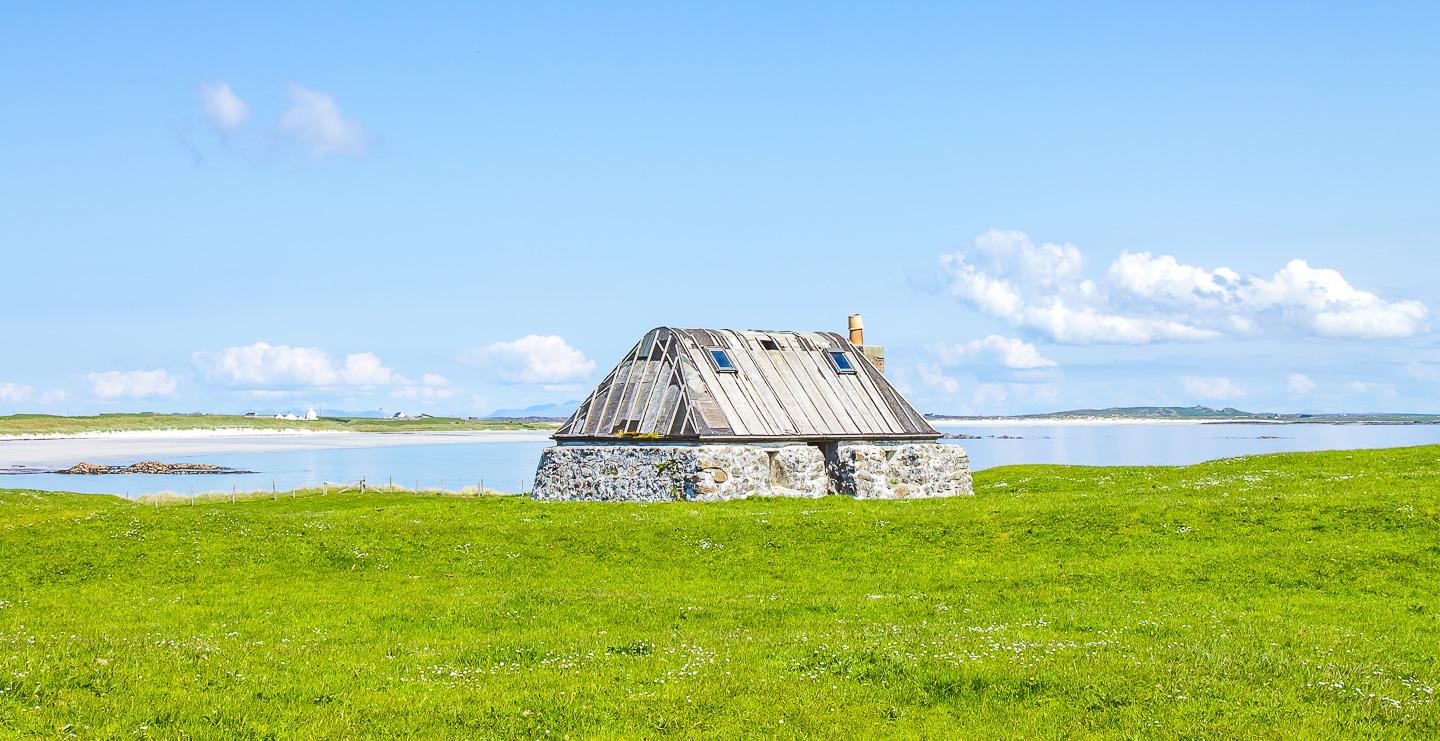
713,414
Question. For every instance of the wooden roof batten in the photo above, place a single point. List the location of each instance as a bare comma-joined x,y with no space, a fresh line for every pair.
668,389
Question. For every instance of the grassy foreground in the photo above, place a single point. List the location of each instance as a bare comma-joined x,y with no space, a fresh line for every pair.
48,424
1285,595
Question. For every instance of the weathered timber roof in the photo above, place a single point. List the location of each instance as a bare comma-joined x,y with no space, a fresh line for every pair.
669,388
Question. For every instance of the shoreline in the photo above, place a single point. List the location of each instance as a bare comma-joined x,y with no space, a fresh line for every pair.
1113,421
149,444
1082,421
176,433
246,432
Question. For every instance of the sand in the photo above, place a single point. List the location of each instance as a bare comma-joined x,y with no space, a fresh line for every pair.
158,444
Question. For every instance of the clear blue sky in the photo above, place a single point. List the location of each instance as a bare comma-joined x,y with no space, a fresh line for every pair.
212,209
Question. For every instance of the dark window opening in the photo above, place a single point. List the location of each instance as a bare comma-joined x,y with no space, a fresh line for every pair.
722,360
841,361
769,345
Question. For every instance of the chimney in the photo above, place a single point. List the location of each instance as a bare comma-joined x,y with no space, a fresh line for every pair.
874,353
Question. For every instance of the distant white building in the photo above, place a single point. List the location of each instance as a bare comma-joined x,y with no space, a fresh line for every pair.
311,415
288,415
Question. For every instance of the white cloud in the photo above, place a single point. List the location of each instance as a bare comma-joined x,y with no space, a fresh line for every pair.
1165,278
1211,387
132,384
222,106
1331,307
1011,353
1151,298
934,378
1375,388
421,393
1299,384
274,394
15,392
1012,251
263,364
533,359
317,122
432,387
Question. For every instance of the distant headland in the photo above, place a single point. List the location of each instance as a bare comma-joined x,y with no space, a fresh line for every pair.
1195,414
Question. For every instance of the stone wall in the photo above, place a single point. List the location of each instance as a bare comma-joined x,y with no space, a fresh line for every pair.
897,471
658,473
707,473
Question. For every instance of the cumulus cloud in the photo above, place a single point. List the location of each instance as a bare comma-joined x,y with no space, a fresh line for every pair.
132,384
263,364
1011,353
533,359
222,107
1148,298
15,392
316,121
432,387
421,393
934,378
1299,384
1211,387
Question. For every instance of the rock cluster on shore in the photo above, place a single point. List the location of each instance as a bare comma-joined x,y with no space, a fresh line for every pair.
153,467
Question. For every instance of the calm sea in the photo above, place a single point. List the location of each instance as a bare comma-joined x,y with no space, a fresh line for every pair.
509,466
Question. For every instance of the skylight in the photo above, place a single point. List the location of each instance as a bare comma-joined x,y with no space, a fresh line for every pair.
841,361
722,360
769,345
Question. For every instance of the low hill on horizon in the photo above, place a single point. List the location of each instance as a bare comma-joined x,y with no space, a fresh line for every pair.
1209,414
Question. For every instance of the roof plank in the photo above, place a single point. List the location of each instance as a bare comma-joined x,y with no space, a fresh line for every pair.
668,387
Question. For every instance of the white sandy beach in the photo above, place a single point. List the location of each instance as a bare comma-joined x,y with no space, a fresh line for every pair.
157,444
1075,422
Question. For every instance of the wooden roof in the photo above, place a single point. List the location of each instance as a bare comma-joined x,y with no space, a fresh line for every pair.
784,387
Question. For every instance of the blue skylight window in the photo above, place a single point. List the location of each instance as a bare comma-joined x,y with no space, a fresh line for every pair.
722,360
841,361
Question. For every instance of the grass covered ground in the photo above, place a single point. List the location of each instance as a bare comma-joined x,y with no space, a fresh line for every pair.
1285,595
48,424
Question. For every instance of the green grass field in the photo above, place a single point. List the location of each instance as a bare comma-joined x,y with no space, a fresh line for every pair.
1285,595
47,424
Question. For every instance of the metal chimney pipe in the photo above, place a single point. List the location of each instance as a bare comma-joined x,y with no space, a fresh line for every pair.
857,330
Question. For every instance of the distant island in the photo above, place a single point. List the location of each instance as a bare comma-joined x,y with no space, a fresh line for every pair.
26,425
1201,414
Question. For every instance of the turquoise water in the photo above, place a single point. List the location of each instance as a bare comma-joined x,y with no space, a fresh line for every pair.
510,466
